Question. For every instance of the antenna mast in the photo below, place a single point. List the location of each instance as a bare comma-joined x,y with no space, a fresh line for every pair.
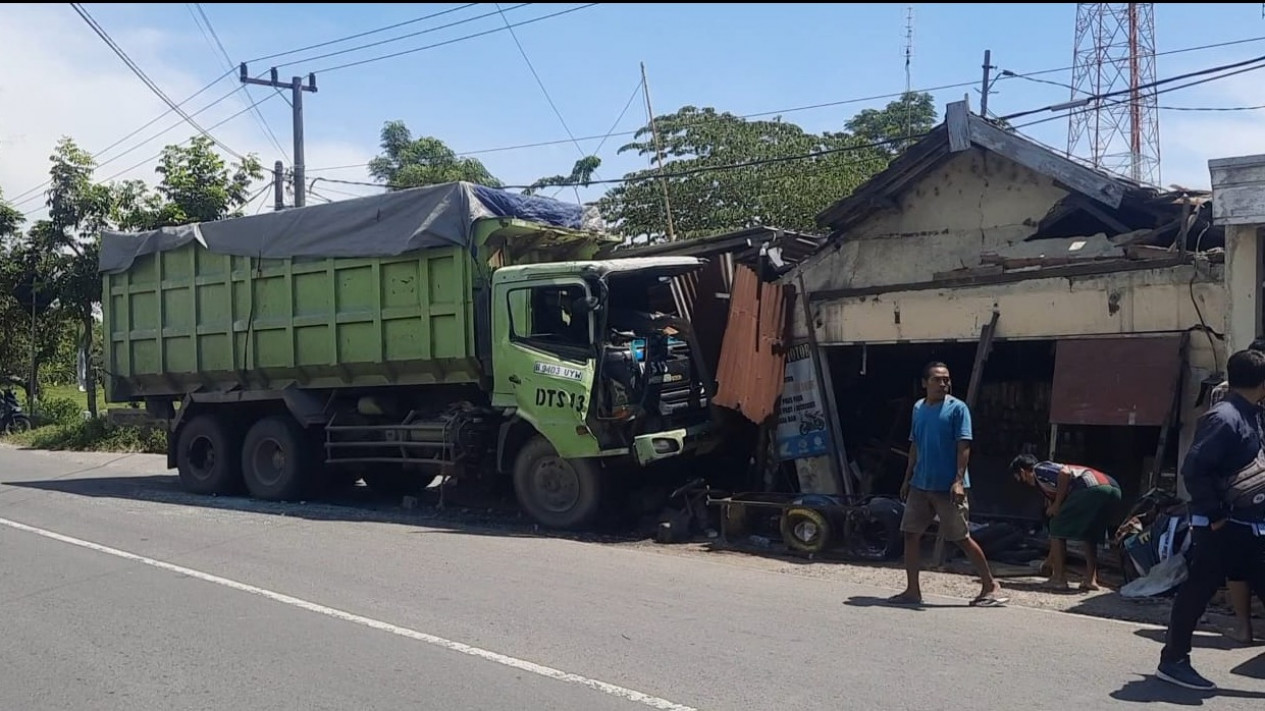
1115,52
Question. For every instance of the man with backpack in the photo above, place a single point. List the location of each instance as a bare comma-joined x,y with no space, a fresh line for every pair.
1224,472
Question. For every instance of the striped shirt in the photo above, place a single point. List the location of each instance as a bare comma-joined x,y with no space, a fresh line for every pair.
1047,474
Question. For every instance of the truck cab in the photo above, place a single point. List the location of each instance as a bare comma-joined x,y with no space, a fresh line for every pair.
589,355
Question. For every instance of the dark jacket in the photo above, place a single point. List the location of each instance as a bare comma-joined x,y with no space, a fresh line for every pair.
1227,438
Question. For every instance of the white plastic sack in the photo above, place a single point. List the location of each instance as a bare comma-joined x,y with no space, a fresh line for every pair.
1163,576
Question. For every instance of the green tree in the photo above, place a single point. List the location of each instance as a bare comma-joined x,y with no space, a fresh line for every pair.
195,184
78,209
898,125
724,172
407,162
581,175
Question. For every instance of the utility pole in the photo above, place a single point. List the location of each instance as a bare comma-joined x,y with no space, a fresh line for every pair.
986,87
297,88
658,149
278,186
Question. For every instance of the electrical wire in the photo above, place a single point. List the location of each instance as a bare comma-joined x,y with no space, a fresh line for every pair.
358,35
263,122
1096,99
1238,66
140,74
1139,88
160,153
539,82
428,30
707,168
32,194
463,38
1168,53
1063,85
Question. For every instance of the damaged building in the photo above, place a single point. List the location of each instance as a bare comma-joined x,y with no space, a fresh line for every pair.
1082,316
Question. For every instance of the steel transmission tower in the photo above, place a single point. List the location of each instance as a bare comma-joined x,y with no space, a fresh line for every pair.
1115,52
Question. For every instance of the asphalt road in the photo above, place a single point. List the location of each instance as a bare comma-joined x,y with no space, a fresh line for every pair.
119,592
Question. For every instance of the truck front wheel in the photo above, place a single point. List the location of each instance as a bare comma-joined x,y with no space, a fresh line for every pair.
206,456
556,492
276,459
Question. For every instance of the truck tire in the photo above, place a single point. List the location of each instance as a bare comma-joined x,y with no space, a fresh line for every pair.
556,492
206,457
277,463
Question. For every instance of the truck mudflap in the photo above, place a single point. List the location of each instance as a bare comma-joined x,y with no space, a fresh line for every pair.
657,446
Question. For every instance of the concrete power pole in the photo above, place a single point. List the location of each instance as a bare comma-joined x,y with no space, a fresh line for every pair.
278,186
297,88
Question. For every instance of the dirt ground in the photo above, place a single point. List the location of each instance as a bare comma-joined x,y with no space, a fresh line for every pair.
954,581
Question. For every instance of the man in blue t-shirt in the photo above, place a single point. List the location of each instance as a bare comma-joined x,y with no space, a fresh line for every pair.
936,480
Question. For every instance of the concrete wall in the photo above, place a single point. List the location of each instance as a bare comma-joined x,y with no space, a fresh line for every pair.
976,202
1142,301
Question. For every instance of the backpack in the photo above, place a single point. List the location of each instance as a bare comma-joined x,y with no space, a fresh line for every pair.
1245,490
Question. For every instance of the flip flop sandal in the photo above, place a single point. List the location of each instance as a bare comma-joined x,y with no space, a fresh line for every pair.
990,600
903,600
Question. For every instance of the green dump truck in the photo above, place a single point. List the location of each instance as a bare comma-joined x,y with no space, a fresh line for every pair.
453,330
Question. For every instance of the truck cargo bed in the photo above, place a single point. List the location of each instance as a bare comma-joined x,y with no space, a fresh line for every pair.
186,319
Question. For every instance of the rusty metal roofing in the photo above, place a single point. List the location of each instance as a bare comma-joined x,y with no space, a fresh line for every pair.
749,377
1127,381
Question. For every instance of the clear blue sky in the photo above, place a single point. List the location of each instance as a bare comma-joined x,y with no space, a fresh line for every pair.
478,94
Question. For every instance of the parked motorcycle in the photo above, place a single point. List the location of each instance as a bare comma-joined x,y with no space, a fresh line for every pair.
12,419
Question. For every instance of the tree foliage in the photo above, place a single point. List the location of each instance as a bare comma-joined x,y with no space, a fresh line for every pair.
50,274
195,184
724,172
581,175
407,162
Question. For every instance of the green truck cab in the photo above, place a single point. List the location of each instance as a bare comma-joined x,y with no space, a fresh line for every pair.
445,331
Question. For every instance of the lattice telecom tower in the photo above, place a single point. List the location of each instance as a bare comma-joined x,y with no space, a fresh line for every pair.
1115,54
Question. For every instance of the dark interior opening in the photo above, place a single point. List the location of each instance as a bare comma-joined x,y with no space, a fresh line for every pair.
877,386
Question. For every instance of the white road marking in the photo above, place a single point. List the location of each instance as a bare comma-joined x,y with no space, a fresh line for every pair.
653,702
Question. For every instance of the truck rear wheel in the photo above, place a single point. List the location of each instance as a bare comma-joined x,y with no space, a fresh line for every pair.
277,461
556,492
206,457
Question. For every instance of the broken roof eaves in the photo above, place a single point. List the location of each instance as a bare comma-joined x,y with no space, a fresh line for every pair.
959,132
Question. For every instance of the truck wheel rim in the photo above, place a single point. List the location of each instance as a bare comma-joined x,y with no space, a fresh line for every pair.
269,462
202,457
556,485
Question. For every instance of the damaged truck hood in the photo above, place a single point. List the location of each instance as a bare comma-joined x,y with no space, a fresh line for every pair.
664,266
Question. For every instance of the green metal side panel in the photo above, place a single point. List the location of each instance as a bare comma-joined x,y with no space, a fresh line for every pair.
187,319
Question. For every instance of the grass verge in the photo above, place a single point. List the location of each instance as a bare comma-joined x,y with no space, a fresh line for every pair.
96,435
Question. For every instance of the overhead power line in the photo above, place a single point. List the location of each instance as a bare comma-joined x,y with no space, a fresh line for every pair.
878,144
263,122
19,199
140,74
541,83
358,35
464,38
410,35
1134,90
1077,108
158,155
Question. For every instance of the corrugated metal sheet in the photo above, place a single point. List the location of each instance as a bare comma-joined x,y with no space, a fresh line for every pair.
749,378
702,299
1115,381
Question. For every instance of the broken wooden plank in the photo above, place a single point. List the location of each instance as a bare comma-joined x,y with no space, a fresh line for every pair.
957,116
1146,251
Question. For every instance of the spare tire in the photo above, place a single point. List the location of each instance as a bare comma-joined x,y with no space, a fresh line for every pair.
806,530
